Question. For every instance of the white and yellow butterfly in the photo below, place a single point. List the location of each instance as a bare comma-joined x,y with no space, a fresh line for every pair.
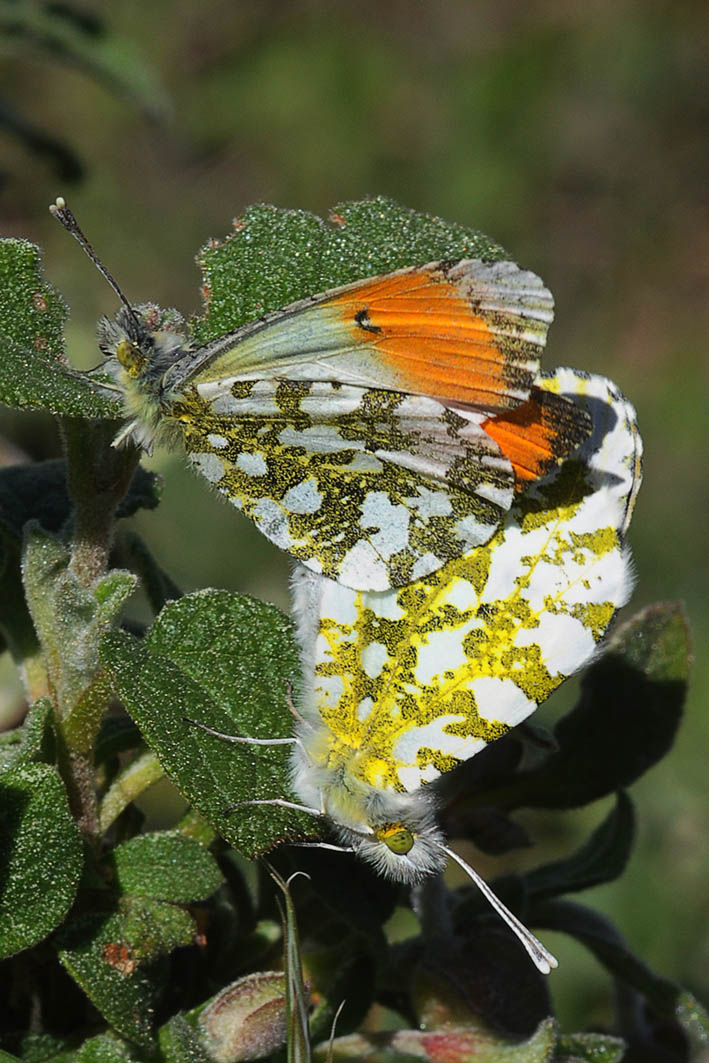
365,430
403,685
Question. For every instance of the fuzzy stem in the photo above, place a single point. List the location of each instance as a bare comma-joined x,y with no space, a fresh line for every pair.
132,781
98,477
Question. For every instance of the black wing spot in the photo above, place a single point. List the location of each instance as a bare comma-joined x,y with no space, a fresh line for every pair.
363,321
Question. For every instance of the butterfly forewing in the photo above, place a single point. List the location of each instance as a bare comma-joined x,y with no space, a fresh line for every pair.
318,421
419,679
465,332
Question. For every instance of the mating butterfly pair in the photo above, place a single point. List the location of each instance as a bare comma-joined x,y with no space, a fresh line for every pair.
397,436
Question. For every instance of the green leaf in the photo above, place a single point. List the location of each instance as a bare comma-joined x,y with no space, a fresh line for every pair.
226,661
111,593
277,256
32,312
591,1048
34,740
166,866
602,859
41,1047
94,951
33,371
39,492
693,1017
625,721
103,952
69,619
5,1057
41,856
105,1048
180,1044
154,928
38,737
11,744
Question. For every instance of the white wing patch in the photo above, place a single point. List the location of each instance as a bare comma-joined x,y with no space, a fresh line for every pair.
406,683
383,493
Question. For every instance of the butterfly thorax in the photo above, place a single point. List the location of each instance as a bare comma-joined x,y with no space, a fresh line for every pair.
348,758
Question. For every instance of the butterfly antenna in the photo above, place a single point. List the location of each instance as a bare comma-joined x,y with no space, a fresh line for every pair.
541,957
65,216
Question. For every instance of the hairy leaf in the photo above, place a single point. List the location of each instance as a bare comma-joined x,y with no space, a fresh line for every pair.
228,662
104,953
40,855
166,866
591,1048
39,492
595,932
33,371
74,35
450,1045
105,1048
180,1044
69,619
33,740
277,256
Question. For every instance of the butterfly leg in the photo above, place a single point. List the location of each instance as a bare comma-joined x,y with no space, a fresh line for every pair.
241,738
279,802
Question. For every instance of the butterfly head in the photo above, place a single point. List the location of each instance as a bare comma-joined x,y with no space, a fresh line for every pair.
142,343
399,837
139,346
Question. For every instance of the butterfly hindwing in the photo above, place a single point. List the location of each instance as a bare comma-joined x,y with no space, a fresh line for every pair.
419,679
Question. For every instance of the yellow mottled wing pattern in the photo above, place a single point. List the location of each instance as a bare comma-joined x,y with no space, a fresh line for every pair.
349,427
408,683
372,488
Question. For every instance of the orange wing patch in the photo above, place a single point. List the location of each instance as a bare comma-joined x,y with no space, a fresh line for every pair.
433,330
538,434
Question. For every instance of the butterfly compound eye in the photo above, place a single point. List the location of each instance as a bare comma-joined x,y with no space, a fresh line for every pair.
130,357
397,838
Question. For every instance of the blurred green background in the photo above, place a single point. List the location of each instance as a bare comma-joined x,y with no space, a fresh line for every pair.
575,135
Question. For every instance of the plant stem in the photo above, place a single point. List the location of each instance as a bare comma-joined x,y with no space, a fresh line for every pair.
132,781
98,476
